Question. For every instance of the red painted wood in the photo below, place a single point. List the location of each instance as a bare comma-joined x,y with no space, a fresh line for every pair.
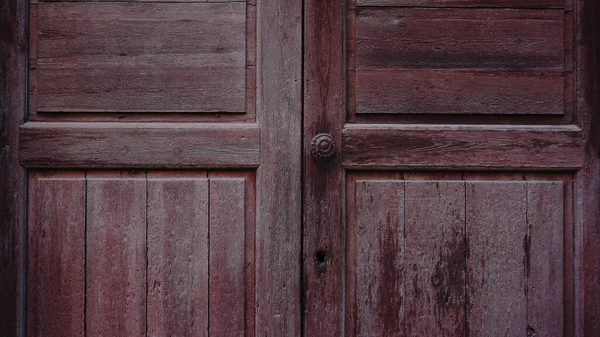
496,228
140,57
324,92
587,184
56,245
379,268
116,254
139,145
279,176
568,150
467,3
459,92
177,254
545,257
13,181
249,182
435,260
459,38
226,257
462,147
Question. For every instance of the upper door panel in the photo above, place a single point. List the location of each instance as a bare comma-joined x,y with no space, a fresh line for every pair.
459,64
142,57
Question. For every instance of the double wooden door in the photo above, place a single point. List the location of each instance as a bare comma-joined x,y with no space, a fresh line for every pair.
288,168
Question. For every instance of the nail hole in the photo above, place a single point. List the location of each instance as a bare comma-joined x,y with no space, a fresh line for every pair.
322,259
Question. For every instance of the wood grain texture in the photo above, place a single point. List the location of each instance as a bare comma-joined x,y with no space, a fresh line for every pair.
544,258
380,259
177,254
459,38
226,255
175,1
459,92
13,186
116,254
324,106
153,57
56,246
587,180
140,145
279,194
461,147
496,227
435,249
466,3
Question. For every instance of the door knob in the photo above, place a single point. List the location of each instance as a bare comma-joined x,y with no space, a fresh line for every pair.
322,146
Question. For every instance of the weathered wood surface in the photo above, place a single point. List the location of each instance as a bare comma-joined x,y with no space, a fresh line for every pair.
13,186
459,92
324,105
545,248
116,254
139,145
56,246
587,180
152,57
467,3
279,177
380,295
462,147
473,254
227,257
435,250
459,38
177,254
496,218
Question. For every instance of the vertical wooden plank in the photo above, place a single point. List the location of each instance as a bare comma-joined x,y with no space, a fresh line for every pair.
435,258
324,112
279,203
496,235
116,254
544,258
177,255
13,186
249,242
56,254
587,180
226,256
380,256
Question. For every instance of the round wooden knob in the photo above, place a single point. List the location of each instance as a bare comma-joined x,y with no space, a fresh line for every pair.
322,146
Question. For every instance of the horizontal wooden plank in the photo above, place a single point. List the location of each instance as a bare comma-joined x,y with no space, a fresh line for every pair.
186,57
466,3
462,147
459,92
139,145
459,38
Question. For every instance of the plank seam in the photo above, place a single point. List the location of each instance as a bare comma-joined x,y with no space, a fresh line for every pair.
403,303
85,250
466,252
147,257
208,254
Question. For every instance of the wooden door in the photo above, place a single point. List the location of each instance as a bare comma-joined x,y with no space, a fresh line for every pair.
152,157
279,168
457,191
